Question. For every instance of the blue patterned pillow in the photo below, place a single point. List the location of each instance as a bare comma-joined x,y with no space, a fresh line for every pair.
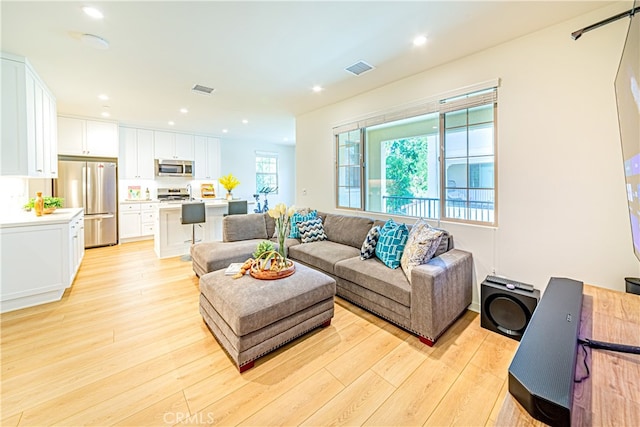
295,219
312,231
393,238
368,249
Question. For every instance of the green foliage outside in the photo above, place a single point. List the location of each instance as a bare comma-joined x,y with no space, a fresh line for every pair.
406,170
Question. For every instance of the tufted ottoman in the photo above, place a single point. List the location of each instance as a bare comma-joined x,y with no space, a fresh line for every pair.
251,317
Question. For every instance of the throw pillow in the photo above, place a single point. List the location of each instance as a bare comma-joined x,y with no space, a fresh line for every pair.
422,243
393,238
312,231
295,219
368,249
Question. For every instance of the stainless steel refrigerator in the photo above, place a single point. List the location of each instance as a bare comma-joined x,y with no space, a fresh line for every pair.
91,185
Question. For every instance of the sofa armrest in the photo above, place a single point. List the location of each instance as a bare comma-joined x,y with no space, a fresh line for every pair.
243,227
441,290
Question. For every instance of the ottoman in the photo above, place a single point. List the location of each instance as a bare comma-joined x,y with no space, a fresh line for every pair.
251,317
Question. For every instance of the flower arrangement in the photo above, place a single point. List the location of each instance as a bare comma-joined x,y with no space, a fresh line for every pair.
229,182
281,214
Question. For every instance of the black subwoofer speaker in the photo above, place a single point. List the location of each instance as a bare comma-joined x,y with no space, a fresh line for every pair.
506,311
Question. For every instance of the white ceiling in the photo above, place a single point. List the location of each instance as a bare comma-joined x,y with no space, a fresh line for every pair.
261,57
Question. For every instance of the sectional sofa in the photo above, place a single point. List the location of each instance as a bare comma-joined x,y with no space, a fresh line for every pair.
438,293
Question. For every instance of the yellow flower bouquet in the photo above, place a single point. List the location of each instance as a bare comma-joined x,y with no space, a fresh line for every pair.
229,182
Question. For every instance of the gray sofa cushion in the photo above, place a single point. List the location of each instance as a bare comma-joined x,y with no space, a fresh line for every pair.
244,227
348,230
377,277
322,255
212,256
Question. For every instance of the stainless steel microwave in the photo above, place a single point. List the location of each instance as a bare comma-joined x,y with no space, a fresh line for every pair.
174,168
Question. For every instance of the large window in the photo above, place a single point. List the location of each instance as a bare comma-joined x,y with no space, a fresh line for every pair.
435,162
267,172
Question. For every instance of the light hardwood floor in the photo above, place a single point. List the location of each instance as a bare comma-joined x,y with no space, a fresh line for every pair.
127,346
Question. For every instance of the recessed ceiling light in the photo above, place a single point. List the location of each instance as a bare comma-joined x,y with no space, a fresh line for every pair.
225,130
317,88
171,122
105,114
245,121
285,139
420,40
184,110
94,41
103,97
92,12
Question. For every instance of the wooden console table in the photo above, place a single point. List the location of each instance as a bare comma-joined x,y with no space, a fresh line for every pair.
611,395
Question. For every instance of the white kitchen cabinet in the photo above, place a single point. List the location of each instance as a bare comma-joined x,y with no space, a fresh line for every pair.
137,221
76,244
40,257
82,137
136,153
171,145
29,140
206,157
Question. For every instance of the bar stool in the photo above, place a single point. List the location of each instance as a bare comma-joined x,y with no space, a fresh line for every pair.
192,213
237,207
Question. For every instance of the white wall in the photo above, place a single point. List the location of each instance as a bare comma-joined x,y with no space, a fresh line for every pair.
239,158
561,197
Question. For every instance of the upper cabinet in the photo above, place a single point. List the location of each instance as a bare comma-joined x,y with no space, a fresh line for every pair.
136,153
207,157
29,136
171,145
80,137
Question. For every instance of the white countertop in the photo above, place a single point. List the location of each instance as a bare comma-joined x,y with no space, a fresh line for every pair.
213,203
24,219
138,201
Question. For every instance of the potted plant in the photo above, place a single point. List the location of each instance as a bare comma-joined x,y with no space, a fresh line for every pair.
229,182
50,204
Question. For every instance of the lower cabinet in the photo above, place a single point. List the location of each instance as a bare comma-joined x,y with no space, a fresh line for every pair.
137,221
39,261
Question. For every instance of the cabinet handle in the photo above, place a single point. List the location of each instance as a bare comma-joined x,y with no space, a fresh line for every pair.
38,170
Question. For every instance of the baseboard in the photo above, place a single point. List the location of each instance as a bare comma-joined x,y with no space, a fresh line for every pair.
474,306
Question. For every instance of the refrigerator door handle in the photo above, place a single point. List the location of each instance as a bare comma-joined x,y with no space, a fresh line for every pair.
99,216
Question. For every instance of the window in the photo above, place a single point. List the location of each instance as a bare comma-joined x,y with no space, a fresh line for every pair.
434,161
349,169
266,172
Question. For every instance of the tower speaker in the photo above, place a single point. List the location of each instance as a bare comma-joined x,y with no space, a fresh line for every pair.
506,311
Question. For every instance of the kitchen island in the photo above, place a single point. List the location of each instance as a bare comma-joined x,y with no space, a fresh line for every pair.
171,238
40,256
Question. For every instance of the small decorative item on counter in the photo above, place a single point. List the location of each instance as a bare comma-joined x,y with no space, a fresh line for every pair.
147,195
281,215
134,192
49,204
207,191
38,204
229,182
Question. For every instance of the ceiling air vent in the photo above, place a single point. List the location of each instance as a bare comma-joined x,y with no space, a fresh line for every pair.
359,67
202,90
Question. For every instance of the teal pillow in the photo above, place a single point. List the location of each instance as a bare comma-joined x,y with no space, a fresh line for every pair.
390,246
295,219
